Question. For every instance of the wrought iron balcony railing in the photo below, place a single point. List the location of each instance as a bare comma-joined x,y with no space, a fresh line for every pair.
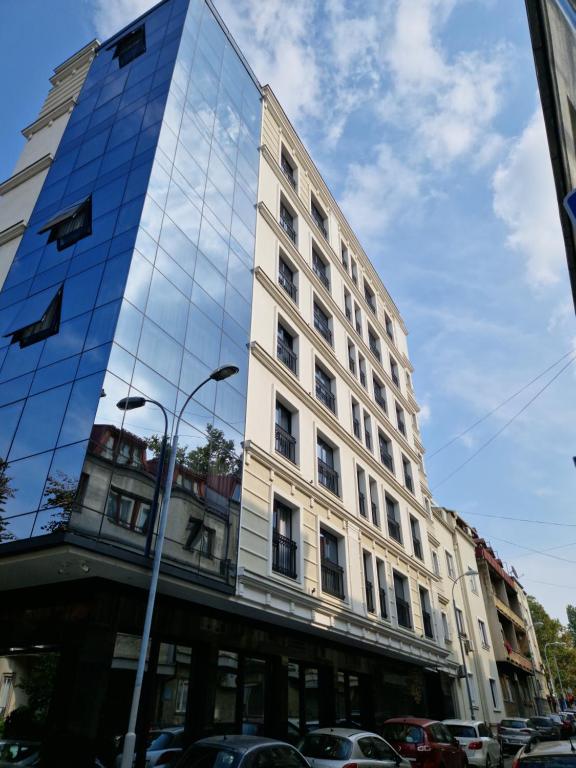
394,529
332,579
285,443
325,395
287,355
403,613
382,596
323,328
284,555
285,282
287,224
369,596
328,477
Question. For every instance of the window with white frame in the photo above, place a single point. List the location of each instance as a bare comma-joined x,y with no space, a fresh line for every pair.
6,691
473,583
446,628
435,562
460,623
472,685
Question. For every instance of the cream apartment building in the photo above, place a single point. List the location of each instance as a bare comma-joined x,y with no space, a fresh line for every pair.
465,625
336,512
18,193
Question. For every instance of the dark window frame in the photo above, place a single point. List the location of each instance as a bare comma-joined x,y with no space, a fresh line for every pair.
130,46
48,325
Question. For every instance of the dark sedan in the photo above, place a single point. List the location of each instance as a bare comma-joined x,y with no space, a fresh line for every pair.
241,752
547,729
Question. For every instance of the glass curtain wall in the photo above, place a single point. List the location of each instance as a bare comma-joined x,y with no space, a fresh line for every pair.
158,294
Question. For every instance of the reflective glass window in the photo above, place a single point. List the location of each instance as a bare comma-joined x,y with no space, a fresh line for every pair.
9,416
26,478
40,423
167,306
203,337
160,351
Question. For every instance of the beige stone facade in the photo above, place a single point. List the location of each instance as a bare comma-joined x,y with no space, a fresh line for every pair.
336,508
18,193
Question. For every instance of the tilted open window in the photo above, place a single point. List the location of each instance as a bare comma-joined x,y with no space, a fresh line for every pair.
42,325
70,225
130,46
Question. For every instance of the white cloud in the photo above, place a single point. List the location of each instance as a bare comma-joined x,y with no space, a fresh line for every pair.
525,200
425,413
110,17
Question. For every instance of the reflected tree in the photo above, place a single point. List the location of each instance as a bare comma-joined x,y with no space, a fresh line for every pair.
6,493
216,457
60,492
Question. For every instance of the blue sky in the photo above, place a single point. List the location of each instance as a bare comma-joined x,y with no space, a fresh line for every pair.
424,118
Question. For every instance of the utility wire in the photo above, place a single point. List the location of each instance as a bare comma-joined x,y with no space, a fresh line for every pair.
534,551
547,583
506,425
497,408
548,549
523,519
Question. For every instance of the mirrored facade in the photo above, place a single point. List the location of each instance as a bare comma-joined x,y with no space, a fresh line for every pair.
134,279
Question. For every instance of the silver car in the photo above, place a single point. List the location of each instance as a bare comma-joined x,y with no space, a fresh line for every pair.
335,747
476,739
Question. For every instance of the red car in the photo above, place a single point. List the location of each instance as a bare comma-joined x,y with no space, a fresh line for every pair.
426,743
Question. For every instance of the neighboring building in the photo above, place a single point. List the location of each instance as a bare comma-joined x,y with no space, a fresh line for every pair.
18,194
512,632
552,26
470,642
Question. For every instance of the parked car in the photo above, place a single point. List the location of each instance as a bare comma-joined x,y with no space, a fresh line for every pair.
477,741
240,752
548,754
571,718
564,726
162,747
426,743
514,732
19,754
548,729
337,747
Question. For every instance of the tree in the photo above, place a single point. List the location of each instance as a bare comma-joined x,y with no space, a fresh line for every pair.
60,493
216,457
571,614
552,631
6,492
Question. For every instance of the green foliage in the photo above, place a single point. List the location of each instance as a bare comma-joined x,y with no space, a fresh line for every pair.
216,457
552,631
6,492
60,493
571,614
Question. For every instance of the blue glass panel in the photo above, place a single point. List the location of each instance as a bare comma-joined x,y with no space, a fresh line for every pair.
92,148
19,361
192,175
231,353
167,141
17,528
138,283
151,219
114,279
203,337
160,351
178,246
195,141
209,279
174,108
80,292
194,372
15,389
239,275
108,197
51,277
214,248
137,181
82,177
54,375
146,245
27,477
237,307
173,272
230,405
81,409
94,360
119,156
167,306
183,213
206,303
9,416
121,363
158,185
40,423
102,325
129,327
68,341
149,383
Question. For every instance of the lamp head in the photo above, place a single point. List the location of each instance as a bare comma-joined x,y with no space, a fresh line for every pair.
130,403
224,372
471,572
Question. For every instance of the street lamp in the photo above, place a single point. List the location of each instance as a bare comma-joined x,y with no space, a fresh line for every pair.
219,374
549,670
129,404
469,572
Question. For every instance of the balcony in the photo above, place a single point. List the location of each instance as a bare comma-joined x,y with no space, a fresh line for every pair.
418,549
403,613
374,509
328,477
321,325
409,483
356,428
363,378
375,351
285,444
287,224
284,555
286,355
319,221
380,401
368,439
511,615
325,395
288,285
369,596
332,579
371,303
352,365
362,504
382,597
395,378
358,328
348,313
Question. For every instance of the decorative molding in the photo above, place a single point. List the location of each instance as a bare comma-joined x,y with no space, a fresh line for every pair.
13,231
49,117
26,173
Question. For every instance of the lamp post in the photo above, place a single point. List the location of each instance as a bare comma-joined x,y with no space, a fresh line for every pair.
549,670
469,572
129,404
562,691
219,374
